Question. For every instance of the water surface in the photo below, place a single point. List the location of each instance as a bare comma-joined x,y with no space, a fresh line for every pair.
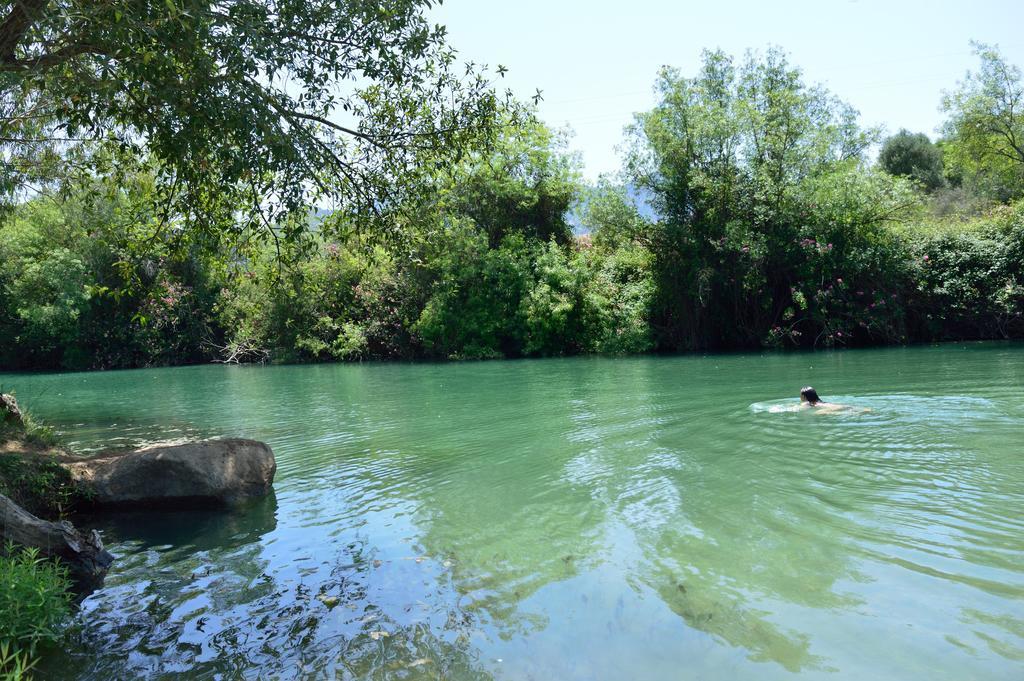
646,518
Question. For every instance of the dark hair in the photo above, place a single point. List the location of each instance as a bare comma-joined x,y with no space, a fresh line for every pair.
810,394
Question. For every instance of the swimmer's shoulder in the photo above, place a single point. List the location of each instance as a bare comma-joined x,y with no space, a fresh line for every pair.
833,408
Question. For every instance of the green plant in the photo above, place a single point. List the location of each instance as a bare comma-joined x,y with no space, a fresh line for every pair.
38,483
985,126
914,156
14,665
34,604
764,198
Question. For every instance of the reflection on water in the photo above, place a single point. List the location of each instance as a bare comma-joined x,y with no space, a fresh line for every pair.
574,519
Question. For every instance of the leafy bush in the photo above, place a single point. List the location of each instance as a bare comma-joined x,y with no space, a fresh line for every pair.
37,483
473,308
34,603
968,280
81,287
623,288
751,218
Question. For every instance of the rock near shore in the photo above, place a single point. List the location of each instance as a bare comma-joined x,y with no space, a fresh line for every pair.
206,473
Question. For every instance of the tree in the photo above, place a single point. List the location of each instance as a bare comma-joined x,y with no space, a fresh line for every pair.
612,215
749,170
243,108
985,128
913,155
523,184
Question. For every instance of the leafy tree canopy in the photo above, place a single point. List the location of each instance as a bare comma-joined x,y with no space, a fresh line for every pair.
985,128
757,127
523,184
252,109
906,154
750,170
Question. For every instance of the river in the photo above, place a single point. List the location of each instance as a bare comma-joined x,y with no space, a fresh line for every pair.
587,518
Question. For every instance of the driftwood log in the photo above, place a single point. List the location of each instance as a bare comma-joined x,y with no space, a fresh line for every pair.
82,554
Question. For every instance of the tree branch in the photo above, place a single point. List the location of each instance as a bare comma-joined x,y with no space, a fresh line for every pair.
46,61
19,20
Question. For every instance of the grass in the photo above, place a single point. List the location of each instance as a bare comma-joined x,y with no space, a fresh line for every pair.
994,220
36,482
35,599
30,472
34,604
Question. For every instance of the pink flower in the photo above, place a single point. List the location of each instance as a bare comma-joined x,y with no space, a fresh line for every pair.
926,258
839,281
839,333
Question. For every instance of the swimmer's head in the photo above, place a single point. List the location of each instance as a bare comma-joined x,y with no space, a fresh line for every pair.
809,395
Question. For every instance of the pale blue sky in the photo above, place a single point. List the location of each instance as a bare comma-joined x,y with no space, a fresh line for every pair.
596,61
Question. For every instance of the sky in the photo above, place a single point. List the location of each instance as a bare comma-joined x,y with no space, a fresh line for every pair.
595,62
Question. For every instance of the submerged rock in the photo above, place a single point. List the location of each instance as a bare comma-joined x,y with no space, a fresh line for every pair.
207,473
82,553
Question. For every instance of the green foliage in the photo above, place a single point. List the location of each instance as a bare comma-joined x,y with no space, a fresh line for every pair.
563,309
455,288
762,192
967,279
76,291
14,664
612,216
623,290
524,185
44,284
250,110
472,310
914,156
769,227
984,144
34,604
37,483
336,304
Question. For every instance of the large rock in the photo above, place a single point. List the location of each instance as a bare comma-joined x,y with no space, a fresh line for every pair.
207,473
83,554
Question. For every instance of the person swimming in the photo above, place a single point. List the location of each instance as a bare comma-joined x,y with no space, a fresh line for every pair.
809,396
809,399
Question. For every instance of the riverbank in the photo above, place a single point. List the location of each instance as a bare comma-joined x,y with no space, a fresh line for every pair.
45,562
461,295
35,594
31,474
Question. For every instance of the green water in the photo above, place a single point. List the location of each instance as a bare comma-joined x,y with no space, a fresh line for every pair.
645,518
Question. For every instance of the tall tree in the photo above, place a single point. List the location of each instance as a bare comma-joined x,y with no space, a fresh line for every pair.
747,167
906,154
252,108
985,128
